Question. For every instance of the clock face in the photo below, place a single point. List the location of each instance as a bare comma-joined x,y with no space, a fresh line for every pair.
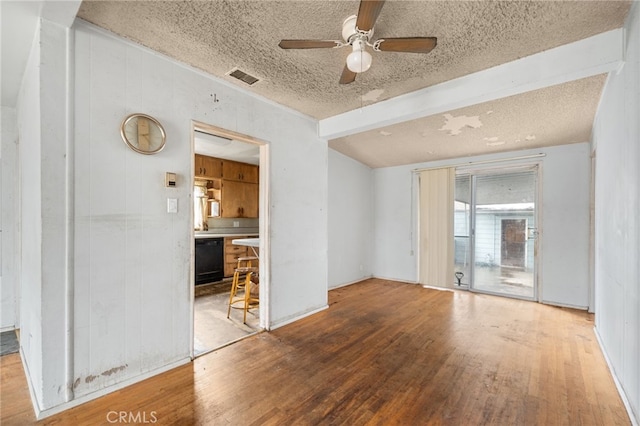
143,134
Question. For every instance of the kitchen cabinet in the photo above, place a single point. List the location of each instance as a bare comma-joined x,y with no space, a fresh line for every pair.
232,186
238,199
207,167
232,252
242,172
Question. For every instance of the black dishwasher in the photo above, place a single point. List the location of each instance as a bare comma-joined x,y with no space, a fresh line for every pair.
209,260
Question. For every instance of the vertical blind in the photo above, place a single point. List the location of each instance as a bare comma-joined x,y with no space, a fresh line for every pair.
436,227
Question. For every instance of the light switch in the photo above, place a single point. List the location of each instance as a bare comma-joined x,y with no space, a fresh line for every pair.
172,205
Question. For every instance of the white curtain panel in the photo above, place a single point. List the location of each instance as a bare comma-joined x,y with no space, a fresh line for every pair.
436,227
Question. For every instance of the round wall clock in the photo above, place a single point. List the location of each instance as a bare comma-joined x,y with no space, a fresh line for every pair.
143,133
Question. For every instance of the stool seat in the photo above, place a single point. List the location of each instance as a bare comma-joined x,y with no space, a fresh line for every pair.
245,269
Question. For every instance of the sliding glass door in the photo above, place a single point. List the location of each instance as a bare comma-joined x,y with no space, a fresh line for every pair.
462,231
500,238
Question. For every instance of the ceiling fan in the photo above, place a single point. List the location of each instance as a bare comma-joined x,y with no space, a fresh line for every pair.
357,31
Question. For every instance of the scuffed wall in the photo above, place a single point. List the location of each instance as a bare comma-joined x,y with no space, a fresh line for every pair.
616,139
28,121
132,295
106,269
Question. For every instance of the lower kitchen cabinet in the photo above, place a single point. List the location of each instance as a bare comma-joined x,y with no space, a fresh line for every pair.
232,252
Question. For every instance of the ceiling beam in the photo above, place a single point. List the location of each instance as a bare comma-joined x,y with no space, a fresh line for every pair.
61,12
595,55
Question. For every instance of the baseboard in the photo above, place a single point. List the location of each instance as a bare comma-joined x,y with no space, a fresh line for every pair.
7,328
564,305
297,317
32,394
432,287
623,395
394,279
41,414
351,282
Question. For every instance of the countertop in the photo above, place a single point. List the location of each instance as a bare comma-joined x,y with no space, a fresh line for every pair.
251,242
227,232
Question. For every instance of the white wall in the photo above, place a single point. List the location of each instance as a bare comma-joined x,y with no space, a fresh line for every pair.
350,220
616,139
131,257
395,206
9,256
28,121
298,207
564,231
566,180
126,297
55,224
132,274
43,161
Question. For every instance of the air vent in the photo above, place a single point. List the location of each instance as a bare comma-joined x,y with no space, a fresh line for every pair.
243,76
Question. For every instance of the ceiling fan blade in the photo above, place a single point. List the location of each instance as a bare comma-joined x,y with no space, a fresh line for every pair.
308,44
347,76
407,44
368,13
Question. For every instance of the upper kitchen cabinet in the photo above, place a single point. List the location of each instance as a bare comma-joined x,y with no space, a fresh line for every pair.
242,172
230,185
239,199
208,167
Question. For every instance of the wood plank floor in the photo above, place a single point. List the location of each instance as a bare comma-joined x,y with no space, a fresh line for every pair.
383,353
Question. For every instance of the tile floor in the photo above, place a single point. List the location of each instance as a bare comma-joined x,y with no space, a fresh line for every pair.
212,328
8,342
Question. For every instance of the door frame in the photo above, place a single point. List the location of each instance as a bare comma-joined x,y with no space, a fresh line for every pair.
502,169
264,252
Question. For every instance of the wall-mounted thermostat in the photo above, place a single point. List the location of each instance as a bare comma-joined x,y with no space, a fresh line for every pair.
170,180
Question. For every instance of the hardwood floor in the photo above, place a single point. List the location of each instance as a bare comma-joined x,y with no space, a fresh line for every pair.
383,353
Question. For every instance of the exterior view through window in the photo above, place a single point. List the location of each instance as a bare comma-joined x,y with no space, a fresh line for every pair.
495,232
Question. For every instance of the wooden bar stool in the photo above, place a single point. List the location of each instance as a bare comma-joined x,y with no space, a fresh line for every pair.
243,262
248,301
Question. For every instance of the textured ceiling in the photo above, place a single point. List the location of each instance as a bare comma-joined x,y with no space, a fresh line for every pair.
219,36
551,116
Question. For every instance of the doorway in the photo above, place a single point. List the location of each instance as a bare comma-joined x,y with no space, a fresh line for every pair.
224,161
495,237
513,242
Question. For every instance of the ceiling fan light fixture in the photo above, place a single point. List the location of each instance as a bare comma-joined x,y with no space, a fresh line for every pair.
359,60
357,31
